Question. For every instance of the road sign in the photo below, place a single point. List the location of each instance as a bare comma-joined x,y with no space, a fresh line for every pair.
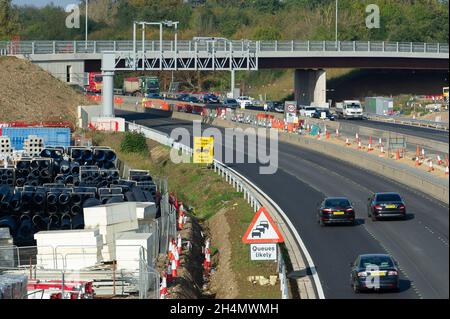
203,150
262,229
263,251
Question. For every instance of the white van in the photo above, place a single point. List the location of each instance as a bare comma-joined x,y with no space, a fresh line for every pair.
349,109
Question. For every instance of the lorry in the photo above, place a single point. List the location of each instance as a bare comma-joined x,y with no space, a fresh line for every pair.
141,86
349,109
95,82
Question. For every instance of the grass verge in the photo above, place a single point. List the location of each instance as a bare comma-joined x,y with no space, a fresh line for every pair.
208,193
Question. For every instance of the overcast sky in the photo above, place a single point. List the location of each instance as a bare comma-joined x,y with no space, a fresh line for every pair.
40,3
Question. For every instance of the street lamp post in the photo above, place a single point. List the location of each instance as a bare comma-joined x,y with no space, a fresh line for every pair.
337,17
86,26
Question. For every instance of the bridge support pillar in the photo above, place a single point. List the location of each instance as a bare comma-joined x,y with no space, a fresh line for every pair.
310,87
108,67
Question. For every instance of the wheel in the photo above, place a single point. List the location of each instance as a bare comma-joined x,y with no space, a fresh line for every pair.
321,223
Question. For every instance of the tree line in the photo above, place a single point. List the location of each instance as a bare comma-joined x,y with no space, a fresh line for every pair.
400,20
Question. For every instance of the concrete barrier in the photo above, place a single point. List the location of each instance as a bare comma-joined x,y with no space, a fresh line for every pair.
435,187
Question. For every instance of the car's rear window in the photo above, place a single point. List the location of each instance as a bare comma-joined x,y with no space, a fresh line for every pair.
379,261
388,198
337,202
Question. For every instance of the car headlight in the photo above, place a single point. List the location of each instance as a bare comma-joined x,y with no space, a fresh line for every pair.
362,274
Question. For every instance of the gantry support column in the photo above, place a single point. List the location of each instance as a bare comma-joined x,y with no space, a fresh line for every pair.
310,87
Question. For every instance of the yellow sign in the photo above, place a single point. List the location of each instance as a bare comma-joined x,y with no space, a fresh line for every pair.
203,150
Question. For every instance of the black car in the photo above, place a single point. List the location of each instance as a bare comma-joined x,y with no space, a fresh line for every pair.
230,103
318,115
386,205
374,272
182,96
191,99
273,106
335,210
210,98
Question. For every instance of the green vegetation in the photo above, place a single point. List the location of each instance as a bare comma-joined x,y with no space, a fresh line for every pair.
134,142
207,193
401,20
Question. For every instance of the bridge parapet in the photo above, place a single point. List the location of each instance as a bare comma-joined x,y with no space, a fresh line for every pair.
74,47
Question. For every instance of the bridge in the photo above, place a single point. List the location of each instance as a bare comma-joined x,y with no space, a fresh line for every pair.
65,59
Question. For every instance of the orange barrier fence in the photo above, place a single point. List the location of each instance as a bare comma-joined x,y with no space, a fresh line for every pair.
156,104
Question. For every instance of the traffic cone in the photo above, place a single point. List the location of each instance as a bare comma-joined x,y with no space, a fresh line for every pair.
417,161
357,137
382,150
174,269
318,134
180,222
418,151
430,166
207,262
439,160
423,153
169,273
163,287
179,244
328,135
359,145
337,132
370,148
446,170
380,142
397,155
176,258
347,142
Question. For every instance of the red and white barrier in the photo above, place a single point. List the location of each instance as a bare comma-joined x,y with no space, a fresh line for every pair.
179,247
163,292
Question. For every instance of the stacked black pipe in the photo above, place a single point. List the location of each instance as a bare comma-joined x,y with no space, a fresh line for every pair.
51,191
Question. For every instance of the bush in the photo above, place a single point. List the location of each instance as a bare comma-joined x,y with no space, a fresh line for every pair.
134,142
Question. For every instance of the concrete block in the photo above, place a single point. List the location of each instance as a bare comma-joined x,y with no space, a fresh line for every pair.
109,214
145,210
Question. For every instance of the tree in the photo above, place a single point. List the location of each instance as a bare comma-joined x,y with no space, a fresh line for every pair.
9,25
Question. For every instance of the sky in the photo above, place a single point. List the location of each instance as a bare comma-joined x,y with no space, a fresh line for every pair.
40,3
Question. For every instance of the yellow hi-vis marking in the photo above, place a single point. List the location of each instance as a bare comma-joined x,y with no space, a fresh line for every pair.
203,150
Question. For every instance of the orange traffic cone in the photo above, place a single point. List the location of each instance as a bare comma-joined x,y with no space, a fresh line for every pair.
439,160
347,142
359,145
163,287
382,150
174,269
446,170
430,166
337,132
417,161
397,155
380,142
179,247
370,148
207,262
328,135
169,272
180,222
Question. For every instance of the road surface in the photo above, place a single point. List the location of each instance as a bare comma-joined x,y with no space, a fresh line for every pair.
304,178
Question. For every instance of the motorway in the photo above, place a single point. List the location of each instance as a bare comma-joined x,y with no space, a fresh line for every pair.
304,178
423,132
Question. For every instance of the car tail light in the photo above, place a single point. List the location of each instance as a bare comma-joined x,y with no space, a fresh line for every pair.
349,210
378,207
392,273
362,274
401,206
326,210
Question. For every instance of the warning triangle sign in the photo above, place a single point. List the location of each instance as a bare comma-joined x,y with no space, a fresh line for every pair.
262,229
